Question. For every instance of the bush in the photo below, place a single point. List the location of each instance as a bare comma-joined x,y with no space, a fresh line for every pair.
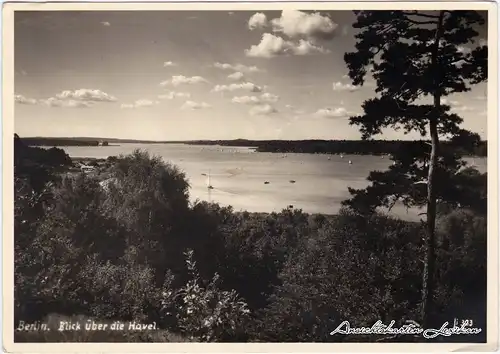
207,313
125,290
149,199
462,263
356,271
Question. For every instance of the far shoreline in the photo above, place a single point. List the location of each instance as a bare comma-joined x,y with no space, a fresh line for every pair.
306,146
480,153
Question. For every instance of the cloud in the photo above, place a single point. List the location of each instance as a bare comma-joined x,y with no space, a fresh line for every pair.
272,46
55,102
461,108
195,105
105,23
248,86
87,95
296,24
169,63
294,110
24,100
305,48
456,105
269,97
140,103
263,110
339,86
339,112
181,79
256,100
237,67
258,20
450,103
81,98
237,76
172,94
246,100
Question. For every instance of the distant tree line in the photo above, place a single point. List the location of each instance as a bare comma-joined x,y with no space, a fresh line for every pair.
349,147
63,142
59,142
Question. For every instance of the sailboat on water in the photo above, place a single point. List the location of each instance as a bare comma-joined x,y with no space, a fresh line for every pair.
209,185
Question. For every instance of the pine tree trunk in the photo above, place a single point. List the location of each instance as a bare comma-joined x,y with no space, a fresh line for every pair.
430,244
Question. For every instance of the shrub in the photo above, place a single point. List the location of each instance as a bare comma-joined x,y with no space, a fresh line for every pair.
206,312
361,272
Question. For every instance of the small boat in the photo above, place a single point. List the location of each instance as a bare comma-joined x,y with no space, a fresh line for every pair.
209,185
341,156
292,181
350,162
266,182
329,158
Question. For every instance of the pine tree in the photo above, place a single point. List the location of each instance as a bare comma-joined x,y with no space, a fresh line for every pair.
417,58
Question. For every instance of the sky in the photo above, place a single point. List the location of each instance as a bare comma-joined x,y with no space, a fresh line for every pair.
179,75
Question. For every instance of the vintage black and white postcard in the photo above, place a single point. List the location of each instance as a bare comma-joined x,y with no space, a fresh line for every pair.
250,175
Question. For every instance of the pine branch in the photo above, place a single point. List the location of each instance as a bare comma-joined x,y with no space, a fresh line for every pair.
385,30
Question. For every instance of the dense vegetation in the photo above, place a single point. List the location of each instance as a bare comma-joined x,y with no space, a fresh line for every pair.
136,249
360,147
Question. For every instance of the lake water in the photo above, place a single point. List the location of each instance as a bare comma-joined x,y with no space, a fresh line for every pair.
238,175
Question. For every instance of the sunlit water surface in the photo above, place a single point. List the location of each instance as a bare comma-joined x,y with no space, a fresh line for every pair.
237,175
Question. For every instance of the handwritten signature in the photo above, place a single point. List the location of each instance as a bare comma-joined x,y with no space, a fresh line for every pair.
412,328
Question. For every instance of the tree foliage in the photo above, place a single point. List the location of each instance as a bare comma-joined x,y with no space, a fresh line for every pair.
396,47
417,58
